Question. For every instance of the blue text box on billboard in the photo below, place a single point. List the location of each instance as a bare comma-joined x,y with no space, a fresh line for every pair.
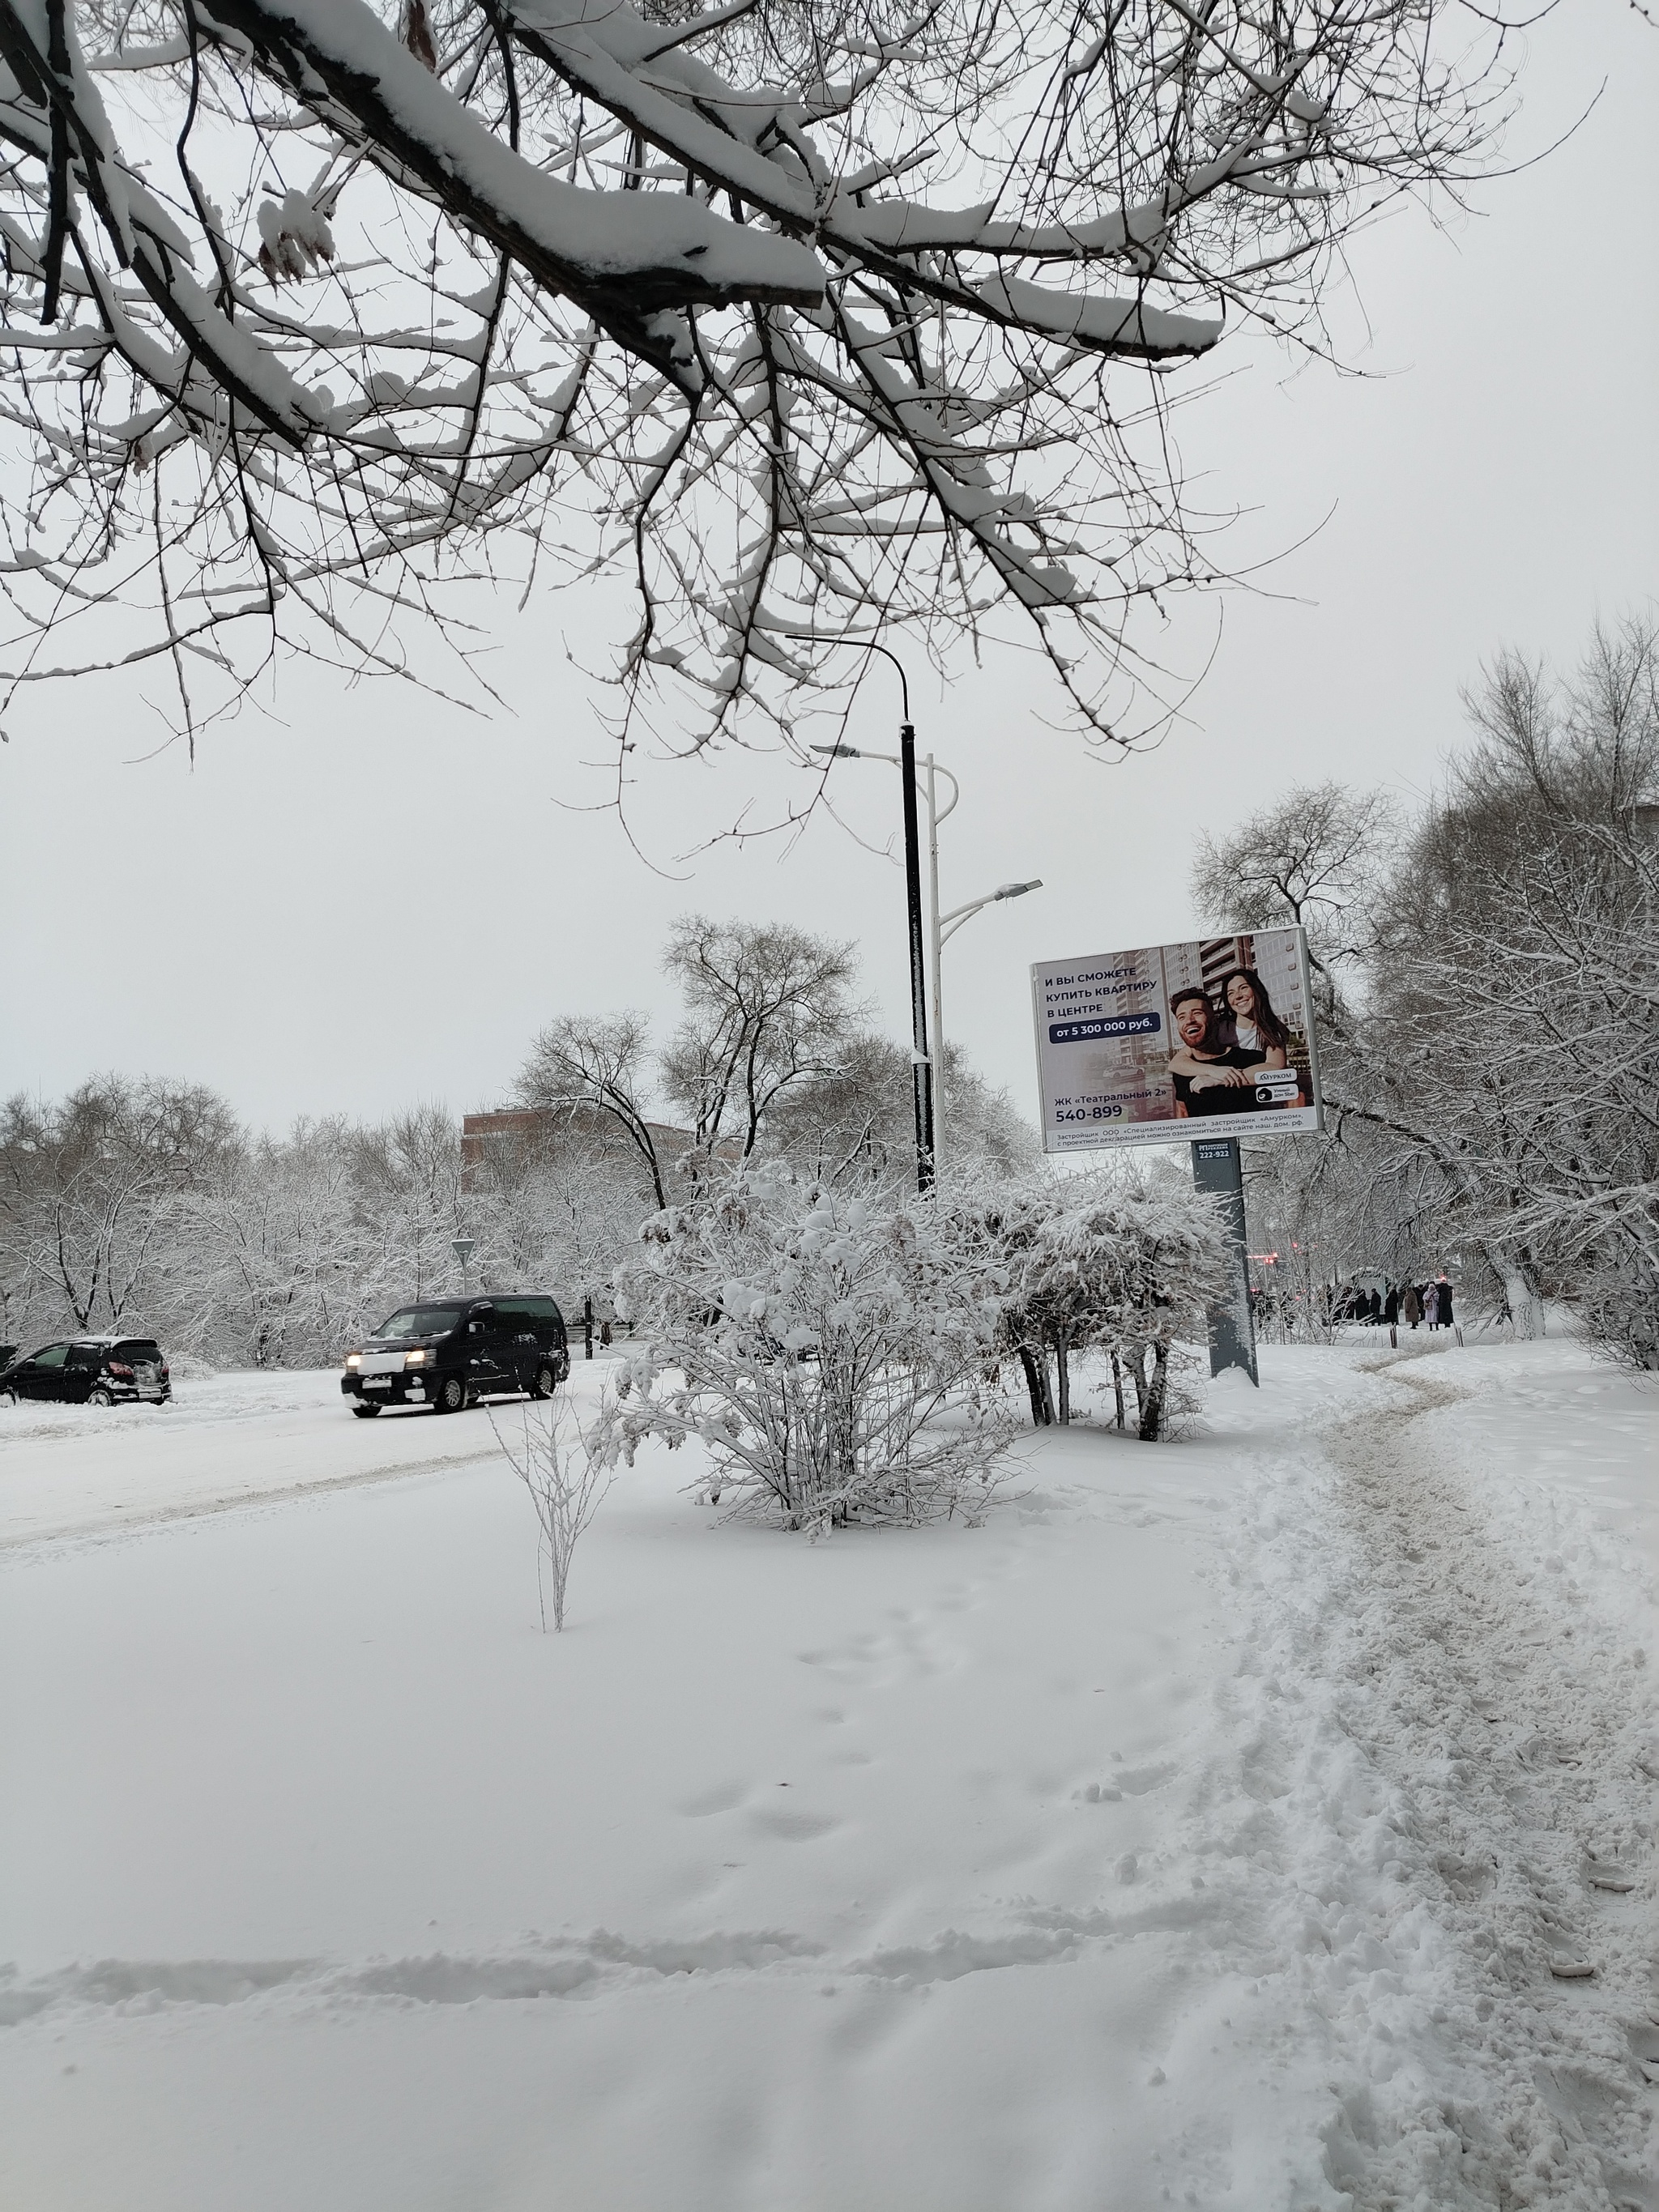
1111,1025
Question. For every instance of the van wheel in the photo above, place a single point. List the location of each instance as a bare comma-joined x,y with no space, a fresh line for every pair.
543,1384
452,1396
100,1397
365,1411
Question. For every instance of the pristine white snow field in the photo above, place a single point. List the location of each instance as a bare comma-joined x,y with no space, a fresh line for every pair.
1209,1828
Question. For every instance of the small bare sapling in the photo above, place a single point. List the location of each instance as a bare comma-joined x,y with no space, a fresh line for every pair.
550,1456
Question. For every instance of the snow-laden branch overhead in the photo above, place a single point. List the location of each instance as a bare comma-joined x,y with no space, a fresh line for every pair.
803,317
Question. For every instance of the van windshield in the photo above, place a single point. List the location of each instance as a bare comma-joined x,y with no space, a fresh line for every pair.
420,1321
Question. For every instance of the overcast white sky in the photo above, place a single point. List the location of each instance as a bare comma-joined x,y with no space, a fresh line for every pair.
382,901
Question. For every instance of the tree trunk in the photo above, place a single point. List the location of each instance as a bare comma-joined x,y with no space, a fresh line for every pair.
1063,1373
1117,1385
1037,1386
1526,1308
1151,1406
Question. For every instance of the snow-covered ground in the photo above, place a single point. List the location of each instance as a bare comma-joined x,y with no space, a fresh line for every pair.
1211,1827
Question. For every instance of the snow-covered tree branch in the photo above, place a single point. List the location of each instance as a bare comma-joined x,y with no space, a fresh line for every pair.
802,317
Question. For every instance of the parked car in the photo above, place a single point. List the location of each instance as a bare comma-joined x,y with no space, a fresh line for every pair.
451,1352
91,1370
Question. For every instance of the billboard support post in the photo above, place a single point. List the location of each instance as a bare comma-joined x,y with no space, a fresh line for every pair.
1219,1173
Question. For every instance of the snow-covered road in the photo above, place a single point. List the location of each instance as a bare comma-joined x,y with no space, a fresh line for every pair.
1210,1828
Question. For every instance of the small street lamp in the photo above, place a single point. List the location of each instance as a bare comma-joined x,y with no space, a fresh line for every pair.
463,1248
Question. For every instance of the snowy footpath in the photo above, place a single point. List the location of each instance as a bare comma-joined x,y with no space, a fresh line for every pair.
1265,1820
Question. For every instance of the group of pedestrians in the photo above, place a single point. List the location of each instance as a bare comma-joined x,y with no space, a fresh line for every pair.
1405,1306
1410,1305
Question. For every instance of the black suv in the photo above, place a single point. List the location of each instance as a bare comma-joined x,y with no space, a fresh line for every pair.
91,1370
451,1352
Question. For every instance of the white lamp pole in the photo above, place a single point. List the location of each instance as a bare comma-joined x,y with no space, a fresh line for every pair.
945,926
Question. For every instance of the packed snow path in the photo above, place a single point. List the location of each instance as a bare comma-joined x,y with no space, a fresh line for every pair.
1509,1725
1205,1830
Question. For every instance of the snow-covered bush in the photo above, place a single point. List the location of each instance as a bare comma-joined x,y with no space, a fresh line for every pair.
1125,1262
567,1481
828,1349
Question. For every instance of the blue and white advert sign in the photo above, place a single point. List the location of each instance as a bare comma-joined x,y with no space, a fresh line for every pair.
1133,1046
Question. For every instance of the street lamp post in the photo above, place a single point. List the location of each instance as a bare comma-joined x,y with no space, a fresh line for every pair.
921,1080
928,1067
922,1087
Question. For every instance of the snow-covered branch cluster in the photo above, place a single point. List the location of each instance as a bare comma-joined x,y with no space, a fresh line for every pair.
803,315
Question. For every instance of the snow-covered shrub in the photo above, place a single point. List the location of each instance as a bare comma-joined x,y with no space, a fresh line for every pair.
566,1481
1126,1262
827,1348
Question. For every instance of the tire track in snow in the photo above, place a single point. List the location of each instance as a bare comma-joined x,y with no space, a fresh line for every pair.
137,1519
1509,1722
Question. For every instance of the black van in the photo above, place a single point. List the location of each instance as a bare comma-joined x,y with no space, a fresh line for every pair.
451,1352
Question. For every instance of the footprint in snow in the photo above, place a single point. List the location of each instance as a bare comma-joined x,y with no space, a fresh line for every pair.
724,1797
793,1827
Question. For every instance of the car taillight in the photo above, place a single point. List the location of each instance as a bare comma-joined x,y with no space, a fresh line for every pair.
116,1367
165,1369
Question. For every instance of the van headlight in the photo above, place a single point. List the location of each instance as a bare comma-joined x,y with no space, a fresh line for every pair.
414,1359
354,1358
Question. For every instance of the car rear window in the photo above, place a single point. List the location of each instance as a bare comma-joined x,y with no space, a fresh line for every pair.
136,1347
535,1309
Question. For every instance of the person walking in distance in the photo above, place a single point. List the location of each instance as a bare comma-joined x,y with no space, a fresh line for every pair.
1411,1306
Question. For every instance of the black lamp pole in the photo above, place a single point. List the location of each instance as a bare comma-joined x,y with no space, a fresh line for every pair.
921,1069
920,1065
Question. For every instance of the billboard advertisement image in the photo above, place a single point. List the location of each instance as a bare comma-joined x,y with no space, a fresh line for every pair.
1166,1042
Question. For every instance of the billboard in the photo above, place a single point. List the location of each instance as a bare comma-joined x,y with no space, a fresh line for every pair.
1167,1042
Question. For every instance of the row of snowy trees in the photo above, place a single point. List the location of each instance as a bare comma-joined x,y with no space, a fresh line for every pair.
146,1203
1488,987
